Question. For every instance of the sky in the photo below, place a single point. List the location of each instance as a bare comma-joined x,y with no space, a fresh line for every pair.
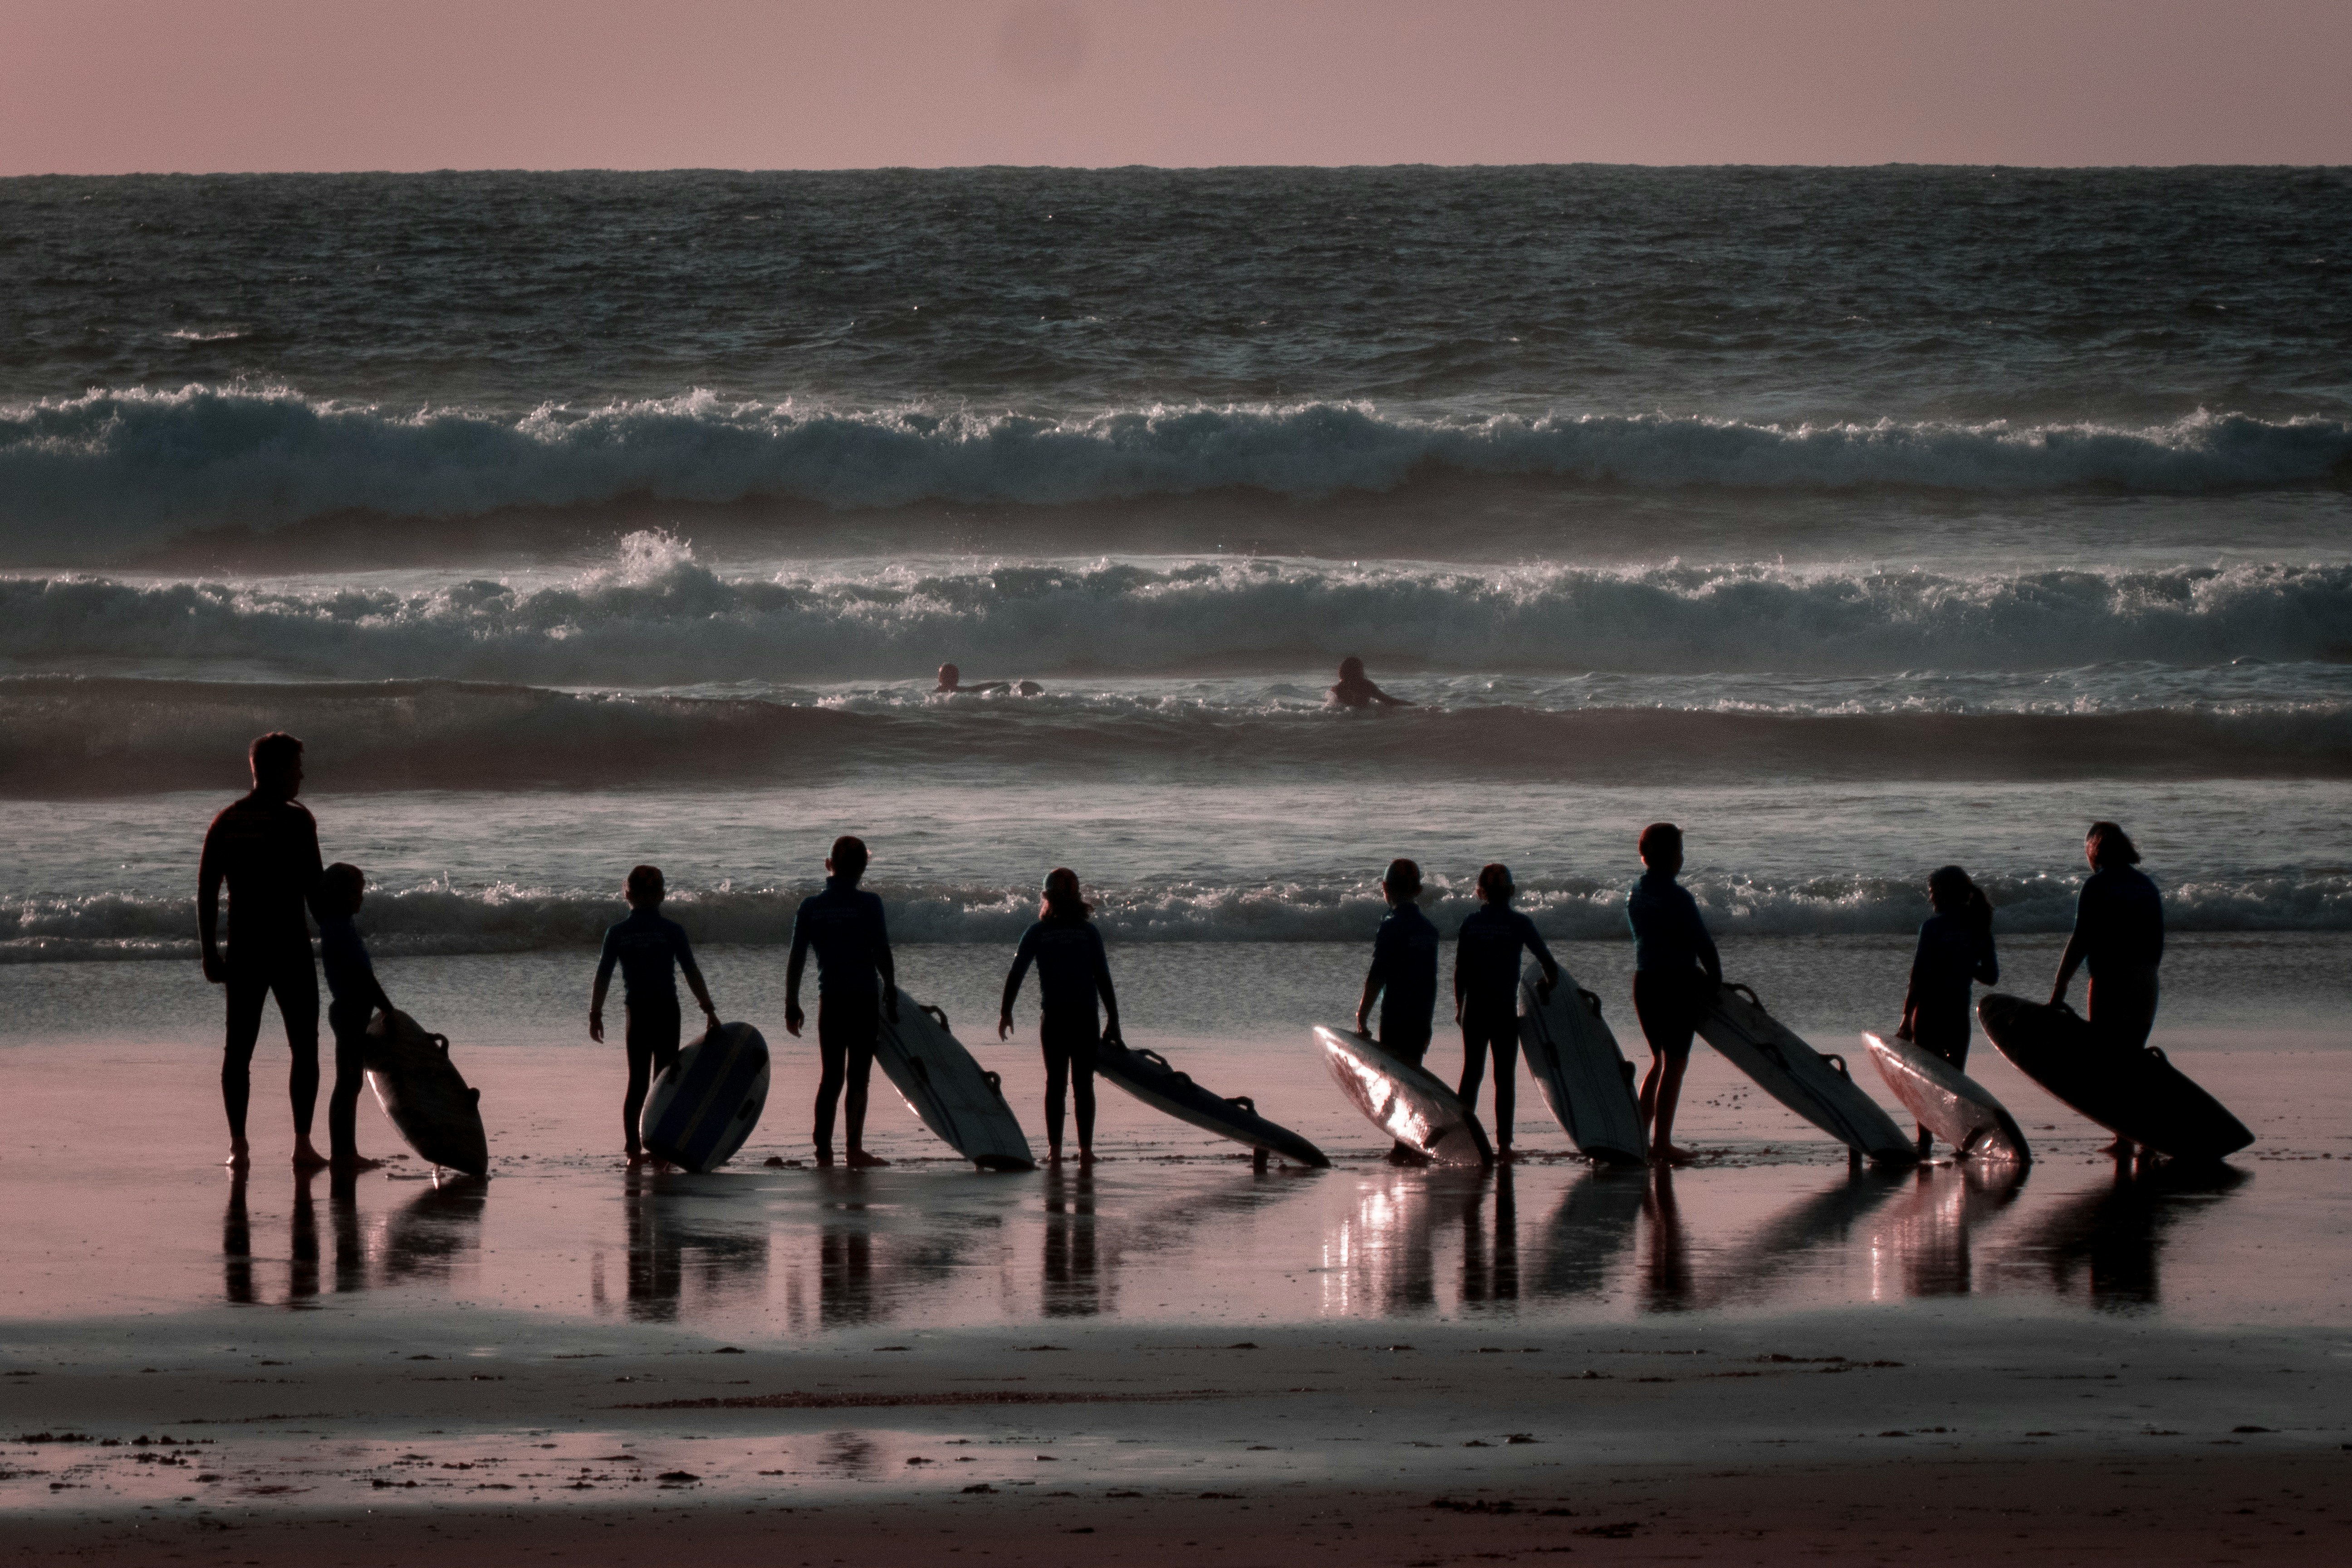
121,85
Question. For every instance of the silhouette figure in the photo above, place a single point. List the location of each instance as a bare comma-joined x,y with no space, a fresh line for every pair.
1486,995
854,974
353,997
265,848
1355,688
1676,975
1955,951
952,682
649,949
1072,971
2119,934
1402,979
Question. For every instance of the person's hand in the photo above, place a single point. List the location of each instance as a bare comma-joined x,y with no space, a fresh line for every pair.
710,1018
596,1025
1544,989
890,1004
793,1019
1111,1037
214,970
2058,995
1364,1026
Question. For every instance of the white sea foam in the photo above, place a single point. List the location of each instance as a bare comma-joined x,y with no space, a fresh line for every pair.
125,466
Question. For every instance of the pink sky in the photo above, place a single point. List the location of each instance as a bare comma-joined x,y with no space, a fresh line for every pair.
108,86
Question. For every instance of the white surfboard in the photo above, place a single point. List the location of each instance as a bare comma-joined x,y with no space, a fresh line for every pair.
1585,1078
701,1110
1815,1087
1409,1103
1948,1102
954,1097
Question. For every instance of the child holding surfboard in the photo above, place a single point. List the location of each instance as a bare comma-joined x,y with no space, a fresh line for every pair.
2119,934
857,987
649,950
1954,951
1072,971
1402,980
1486,995
355,996
1676,972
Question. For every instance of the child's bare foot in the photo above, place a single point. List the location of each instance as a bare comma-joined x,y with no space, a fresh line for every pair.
240,1155
859,1160
348,1164
824,1159
1085,1156
306,1156
1507,1156
2121,1148
1053,1157
1671,1154
635,1157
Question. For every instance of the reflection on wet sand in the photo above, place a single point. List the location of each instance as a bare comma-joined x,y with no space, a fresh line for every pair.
430,1234
679,1234
1591,1232
1928,1241
1074,1283
2111,1238
1785,1245
418,1242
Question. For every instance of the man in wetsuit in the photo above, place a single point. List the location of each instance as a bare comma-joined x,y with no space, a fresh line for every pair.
853,964
1486,995
265,845
1402,979
952,683
1675,973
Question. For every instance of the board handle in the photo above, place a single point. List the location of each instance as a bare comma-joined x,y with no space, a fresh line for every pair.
1244,1101
1748,991
995,1084
1839,1063
1591,1000
938,1015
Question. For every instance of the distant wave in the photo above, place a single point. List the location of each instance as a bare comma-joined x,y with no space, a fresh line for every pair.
75,736
438,920
129,466
656,617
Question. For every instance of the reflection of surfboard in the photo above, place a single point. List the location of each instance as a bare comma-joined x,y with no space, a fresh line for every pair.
424,1094
1948,1102
948,1090
705,1105
1407,1102
1146,1076
1815,1087
1585,1078
2127,1090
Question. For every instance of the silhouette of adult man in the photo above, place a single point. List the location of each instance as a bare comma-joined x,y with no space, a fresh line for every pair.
265,847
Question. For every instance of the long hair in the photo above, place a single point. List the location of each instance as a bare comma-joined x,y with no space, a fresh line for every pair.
1494,882
1951,891
2111,846
1061,900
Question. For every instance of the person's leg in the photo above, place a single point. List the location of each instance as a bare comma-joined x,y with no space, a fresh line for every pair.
1056,1051
248,988
653,1049
1649,1009
1081,1088
294,981
1503,1039
1474,1060
2121,1010
834,1072
349,1027
1947,1037
637,1040
1668,1015
863,1022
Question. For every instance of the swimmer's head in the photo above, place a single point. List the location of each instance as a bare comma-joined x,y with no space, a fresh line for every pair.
342,886
1352,669
950,677
644,887
848,859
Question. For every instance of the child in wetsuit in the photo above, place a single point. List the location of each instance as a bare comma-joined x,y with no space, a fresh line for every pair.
1486,995
1402,979
1072,970
648,950
354,998
857,987
2120,933
1955,951
1675,973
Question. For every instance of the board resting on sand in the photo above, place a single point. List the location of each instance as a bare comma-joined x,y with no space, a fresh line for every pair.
1146,1076
705,1105
1409,1103
2131,1091
1947,1101
1816,1087
949,1091
1585,1078
424,1094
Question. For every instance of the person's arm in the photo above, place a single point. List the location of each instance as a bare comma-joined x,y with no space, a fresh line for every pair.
1022,956
883,961
1708,956
314,871
1457,976
208,883
604,981
1103,988
1385,700
1375,982
1905,1029
693,973
1535,944
793,1017
2078,947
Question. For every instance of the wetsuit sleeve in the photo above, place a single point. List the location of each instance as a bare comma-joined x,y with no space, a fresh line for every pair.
1918,957
683,951
1702,941
605,960
1376,978
314,868
881,940
799,959
1102,979
1021,958
1988,962
1534,941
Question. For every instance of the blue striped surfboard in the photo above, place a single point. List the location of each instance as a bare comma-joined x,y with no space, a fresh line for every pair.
706,1104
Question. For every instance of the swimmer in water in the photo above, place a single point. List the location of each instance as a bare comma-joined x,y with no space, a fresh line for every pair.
1355,688
951,681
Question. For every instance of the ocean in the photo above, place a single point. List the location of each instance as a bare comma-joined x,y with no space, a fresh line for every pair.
1859,521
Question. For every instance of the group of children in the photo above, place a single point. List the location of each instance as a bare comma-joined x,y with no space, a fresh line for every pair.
265,848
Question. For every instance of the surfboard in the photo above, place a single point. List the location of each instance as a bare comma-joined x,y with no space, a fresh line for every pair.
1585,1078
2130,1090
705,1105
1146,1076
1948,1102
1409,1103
1816,1087
424,1094
949,1092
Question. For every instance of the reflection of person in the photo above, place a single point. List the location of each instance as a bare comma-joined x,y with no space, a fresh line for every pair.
853,973
649,950
1675,972
1355,688
1072,971
2119,934
265,845
1402,979
1486,995
353,997
1955,951
952,680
